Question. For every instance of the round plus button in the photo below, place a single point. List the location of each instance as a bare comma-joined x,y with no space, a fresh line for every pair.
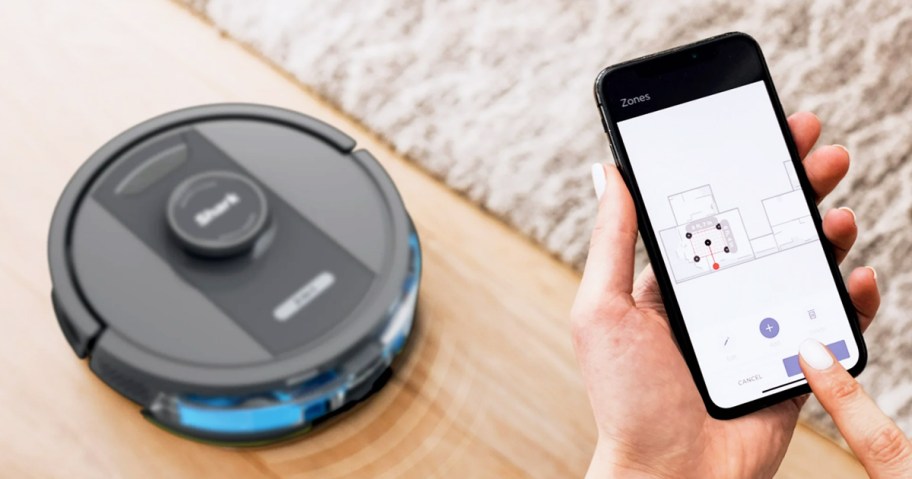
217,213
769,328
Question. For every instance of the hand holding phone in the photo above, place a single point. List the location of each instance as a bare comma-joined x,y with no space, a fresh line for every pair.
650,417
728,217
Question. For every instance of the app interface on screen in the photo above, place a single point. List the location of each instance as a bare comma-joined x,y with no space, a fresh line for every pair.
737,238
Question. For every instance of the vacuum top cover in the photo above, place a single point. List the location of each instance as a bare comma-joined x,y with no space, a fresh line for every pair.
228,247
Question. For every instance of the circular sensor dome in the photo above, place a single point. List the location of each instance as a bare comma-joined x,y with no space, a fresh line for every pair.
240,271
217,213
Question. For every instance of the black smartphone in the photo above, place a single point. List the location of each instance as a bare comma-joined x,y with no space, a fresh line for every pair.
729,220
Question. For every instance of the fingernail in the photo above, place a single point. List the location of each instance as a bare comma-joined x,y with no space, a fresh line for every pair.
873,271
815,354
846,208
598,180
843,148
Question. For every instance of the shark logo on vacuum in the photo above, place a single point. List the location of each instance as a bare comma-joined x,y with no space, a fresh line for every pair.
208,215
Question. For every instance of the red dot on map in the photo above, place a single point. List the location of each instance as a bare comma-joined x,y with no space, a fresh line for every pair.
715,265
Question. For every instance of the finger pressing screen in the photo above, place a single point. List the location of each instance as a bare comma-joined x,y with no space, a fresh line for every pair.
878,443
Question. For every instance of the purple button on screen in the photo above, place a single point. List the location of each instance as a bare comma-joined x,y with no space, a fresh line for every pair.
839,349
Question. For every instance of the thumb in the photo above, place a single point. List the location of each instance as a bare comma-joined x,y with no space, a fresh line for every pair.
609,266
874,438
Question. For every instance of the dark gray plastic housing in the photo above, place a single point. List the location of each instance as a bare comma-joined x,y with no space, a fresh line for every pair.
314,289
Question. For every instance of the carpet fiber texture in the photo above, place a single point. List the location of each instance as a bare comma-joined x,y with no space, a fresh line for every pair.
495,98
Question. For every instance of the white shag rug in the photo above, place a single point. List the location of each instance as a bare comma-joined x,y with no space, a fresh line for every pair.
495,98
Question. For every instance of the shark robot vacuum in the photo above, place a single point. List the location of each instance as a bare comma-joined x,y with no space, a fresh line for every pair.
239,271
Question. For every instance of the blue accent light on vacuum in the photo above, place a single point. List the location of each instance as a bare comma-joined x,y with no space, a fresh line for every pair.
285,409
228,414
241,420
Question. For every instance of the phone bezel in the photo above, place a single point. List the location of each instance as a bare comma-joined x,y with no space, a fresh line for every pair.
669,60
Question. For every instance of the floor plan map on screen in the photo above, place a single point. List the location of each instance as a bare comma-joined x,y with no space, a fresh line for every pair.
706,239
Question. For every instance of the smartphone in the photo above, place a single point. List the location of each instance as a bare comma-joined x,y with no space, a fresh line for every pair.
729,220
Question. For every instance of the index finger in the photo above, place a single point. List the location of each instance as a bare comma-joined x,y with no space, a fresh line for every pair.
827,165
874,438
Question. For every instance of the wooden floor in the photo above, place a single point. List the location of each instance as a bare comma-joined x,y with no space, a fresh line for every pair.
489,387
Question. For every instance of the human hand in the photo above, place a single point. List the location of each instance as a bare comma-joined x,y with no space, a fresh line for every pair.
878,443
650,417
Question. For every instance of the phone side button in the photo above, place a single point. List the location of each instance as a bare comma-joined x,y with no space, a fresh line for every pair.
614,153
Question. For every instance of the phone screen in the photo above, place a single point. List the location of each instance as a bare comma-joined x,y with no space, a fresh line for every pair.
735,232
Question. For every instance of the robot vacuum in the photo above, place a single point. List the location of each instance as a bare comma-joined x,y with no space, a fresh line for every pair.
239,271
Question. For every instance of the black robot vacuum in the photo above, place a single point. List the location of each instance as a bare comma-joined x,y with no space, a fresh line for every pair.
240,271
